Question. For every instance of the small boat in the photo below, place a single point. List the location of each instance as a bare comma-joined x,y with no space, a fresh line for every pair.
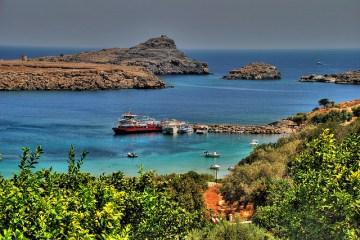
254,142
186,129
132,155
201,129
211,154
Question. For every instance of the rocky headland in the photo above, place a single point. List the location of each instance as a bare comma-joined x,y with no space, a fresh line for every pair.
159,55
350,77
254,71
41,75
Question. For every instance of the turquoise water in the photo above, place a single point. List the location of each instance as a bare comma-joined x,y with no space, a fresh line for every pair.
58,119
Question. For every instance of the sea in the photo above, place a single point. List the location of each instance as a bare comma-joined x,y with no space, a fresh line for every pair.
57,120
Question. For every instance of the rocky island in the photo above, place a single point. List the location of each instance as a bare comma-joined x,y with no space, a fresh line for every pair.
350,77
255,71
41,75
159,55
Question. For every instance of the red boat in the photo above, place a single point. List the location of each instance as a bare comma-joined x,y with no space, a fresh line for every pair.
131,123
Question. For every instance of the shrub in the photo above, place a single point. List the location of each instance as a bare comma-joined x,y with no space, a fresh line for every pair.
298,118
333,116
321,200
75,205
229,231
356,111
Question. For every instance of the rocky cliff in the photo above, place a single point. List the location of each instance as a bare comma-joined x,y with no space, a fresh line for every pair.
35,75
158,55
350,77
254,71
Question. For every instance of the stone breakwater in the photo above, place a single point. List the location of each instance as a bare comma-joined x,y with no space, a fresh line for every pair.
254,71
159,55
34,75
350,77
281,127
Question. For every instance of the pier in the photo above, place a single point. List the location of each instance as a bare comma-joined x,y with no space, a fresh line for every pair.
280,127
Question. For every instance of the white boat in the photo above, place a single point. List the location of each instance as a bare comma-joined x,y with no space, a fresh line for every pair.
186,129
171,127
254,142
202,129
211,154
132,155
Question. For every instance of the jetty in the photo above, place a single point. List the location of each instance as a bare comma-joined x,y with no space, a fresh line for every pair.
280,127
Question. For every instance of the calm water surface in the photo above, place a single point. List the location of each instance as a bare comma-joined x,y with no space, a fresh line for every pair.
58,119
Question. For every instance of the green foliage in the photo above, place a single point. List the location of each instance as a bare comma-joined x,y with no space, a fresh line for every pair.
298,118
356,111
333,116
322,199
75,205
249,182
325,102
229,231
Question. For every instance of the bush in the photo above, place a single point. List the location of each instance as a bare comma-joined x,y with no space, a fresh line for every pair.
356,111
333,116
298,118
321,200
75,205
228,231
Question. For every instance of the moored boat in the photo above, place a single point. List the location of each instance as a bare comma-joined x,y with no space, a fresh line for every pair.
201,129
131,123
211,154
132,155
186,129
171,127
254,142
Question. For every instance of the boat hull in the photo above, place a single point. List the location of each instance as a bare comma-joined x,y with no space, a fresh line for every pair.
134,130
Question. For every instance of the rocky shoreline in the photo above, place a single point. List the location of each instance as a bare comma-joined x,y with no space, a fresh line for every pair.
41,75
350,77
254,71
158,55
281,127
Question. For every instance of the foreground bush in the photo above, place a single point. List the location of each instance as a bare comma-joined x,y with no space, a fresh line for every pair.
321,200
75,205
230,231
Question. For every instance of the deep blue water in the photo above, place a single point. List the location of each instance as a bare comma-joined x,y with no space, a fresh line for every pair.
58,119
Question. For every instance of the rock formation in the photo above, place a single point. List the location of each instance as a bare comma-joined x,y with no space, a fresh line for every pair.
280,127
33,75
158,55
254,71
350,77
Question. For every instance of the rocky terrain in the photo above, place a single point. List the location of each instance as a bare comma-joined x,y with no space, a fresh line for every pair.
158,55
36,75
281,127
350,77
254,71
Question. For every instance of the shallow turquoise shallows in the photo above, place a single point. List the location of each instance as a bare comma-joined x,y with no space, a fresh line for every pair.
56,120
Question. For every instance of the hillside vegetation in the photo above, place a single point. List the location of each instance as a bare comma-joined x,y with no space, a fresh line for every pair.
306,186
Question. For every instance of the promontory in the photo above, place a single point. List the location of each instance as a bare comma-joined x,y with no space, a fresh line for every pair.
41,75
254,71
159,55
350,77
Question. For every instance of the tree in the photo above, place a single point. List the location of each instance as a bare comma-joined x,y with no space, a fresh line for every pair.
325,102
321,201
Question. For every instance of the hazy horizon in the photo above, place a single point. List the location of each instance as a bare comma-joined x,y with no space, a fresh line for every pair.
199,24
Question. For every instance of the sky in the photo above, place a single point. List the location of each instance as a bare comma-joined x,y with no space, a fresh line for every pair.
193,24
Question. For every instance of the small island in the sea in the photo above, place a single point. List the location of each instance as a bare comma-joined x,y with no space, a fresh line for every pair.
350,77
41,75
254,71
159,55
